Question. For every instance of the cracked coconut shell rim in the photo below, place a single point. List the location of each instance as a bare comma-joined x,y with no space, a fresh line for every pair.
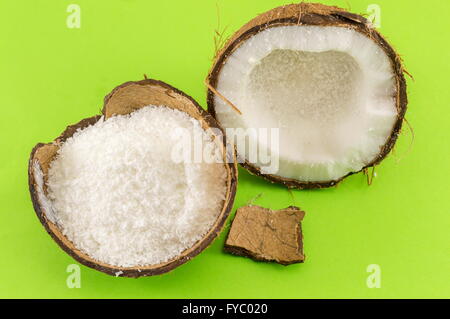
124,100
325,78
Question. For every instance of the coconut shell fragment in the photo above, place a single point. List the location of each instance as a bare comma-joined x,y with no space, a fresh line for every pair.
267,235
123,100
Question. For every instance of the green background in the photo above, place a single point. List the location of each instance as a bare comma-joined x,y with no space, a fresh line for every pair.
52,76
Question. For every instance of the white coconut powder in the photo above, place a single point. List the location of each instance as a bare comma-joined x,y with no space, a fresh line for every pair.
119,196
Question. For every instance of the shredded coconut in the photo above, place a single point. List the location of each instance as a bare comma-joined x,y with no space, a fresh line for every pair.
119,196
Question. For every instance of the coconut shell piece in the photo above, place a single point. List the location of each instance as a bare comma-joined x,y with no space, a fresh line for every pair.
267,235
310,14
125,99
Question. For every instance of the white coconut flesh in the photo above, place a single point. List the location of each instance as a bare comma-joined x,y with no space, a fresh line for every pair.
330,91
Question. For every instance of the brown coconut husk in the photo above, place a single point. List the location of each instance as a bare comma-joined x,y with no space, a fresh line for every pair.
267,235
125,99
318,15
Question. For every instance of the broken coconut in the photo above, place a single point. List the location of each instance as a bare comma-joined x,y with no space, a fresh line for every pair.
267,235
112,194
325,78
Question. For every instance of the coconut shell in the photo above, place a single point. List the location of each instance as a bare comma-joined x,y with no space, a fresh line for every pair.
312,14
125,99
267,235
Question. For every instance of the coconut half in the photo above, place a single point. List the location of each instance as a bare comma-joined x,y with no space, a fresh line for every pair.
123,100
324,78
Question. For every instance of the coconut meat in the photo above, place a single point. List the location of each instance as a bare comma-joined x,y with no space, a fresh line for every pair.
329,90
